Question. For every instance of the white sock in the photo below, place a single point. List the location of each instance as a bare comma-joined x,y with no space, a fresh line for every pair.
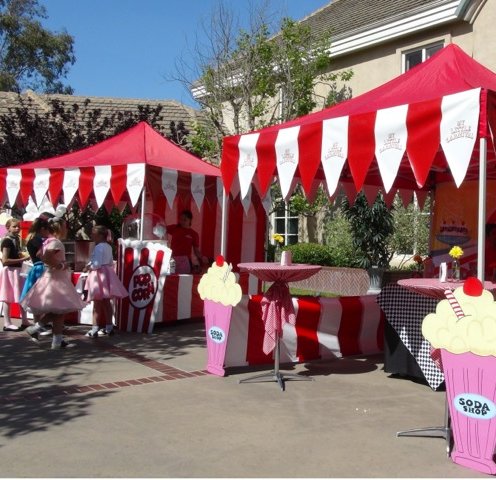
6,315
56,340
24,318
38,327
95,328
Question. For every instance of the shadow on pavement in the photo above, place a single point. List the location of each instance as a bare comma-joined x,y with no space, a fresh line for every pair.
32,380
167,342
336,366
343,366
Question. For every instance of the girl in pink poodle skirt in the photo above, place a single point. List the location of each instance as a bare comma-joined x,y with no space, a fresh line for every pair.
103,284
53,295
11,282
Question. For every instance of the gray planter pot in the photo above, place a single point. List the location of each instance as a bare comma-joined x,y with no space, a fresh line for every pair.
375,274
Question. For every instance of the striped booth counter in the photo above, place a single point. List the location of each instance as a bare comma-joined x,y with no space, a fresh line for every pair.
325,328
177,299
154,295
181,299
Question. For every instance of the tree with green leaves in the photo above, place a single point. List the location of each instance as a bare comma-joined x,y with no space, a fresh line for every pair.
31,56
371,227
247,78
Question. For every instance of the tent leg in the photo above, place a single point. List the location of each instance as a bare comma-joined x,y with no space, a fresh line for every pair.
142,213
481,228
223,232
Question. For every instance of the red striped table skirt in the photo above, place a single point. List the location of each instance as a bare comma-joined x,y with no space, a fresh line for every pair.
325,328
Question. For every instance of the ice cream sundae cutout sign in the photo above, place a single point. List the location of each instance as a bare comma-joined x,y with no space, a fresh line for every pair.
464,328
220,292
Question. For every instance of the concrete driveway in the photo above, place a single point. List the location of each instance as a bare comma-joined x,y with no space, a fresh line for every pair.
139,405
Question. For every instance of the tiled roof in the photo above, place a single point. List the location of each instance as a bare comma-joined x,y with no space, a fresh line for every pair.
171,110
346,17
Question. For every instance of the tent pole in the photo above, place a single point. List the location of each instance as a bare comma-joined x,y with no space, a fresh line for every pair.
223,231
142,213
481,227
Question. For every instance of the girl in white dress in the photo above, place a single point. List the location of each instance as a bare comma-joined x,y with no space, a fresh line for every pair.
103,284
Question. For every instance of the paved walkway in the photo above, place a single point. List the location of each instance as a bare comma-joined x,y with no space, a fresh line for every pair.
141,406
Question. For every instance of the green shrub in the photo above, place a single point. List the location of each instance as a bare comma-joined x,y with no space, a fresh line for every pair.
311,253
338,239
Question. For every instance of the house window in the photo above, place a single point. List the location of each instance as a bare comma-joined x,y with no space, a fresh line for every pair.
419,55
286,224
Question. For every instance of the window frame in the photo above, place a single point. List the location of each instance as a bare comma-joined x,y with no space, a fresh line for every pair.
423,48
287,217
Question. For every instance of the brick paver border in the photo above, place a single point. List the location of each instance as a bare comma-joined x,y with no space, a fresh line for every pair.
168,373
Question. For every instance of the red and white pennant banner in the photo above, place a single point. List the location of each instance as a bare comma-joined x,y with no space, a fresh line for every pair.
390,142
334,150
41,183
198,189
417,129
99,184
169,185
248,161
287,158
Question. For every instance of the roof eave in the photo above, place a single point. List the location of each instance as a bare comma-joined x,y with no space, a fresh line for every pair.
390,30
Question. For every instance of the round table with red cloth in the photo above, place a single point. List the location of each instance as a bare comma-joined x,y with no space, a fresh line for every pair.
434,288
277,306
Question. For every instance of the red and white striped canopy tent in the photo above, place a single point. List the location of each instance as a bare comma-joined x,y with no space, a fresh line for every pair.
432,124
115,169
136,164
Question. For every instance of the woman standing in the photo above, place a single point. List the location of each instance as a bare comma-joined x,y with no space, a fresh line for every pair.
185,244
53,295
11,282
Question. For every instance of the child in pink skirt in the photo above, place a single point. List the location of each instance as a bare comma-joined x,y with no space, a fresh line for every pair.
53,295
11,282
102,283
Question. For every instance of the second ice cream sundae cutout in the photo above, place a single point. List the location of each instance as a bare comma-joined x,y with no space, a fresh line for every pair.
220,292
464,328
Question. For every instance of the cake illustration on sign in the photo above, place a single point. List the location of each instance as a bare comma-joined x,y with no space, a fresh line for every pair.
464,328
454,233
220,293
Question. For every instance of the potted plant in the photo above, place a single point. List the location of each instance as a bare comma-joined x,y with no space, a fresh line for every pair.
371,229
